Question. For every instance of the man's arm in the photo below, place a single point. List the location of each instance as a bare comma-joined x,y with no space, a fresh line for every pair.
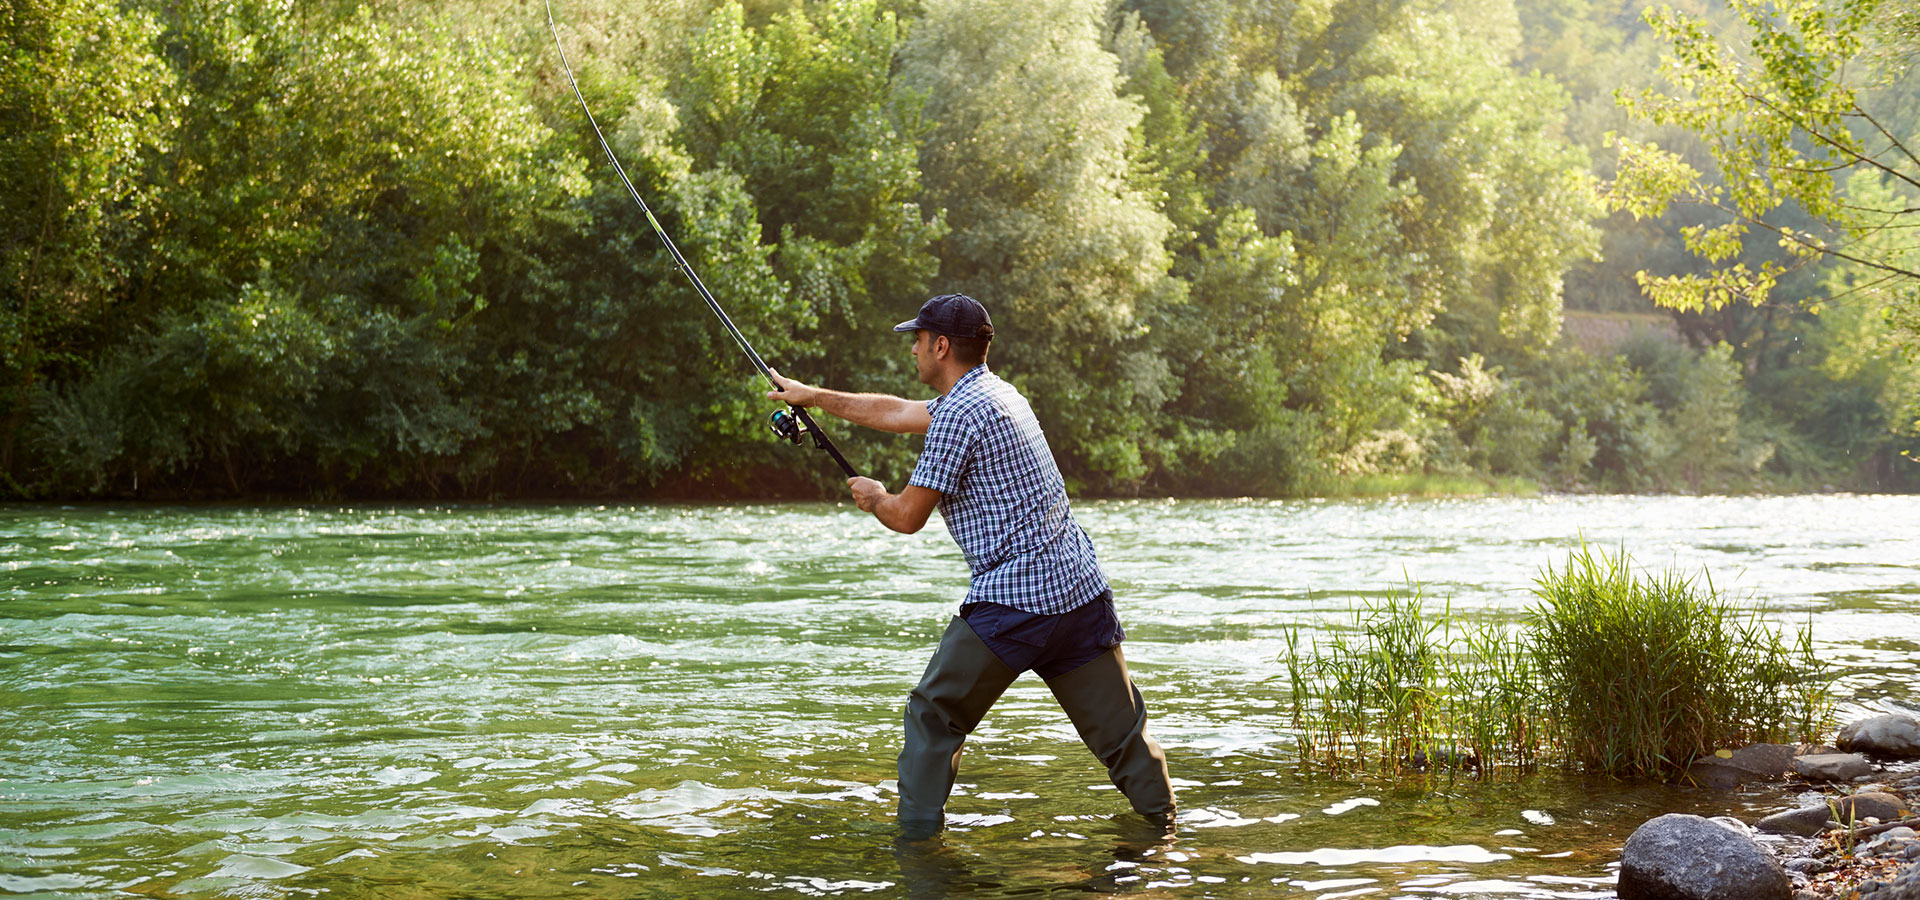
882,411
905,512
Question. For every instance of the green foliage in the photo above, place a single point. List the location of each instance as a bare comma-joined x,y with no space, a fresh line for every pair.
1779,114
1231,248
83,98
1640,675
1028,153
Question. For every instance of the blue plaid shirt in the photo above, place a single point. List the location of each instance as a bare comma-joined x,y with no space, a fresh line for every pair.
1004,501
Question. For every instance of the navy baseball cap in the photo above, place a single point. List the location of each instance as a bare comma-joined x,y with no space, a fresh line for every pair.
954,315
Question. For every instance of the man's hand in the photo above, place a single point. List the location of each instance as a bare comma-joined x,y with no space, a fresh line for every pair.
867,493
794,393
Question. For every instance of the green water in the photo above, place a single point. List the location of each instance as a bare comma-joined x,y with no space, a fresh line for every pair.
703,701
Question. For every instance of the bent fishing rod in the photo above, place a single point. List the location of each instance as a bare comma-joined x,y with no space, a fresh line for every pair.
790,424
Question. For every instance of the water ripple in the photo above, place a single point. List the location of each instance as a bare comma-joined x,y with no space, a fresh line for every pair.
698,700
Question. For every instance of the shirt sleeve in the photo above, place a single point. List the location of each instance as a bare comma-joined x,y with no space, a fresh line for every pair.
944,457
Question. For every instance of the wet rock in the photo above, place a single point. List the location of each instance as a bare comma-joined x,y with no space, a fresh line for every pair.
1717,775
1832,766
1754,762
1869,805
1893,736
1682,857
1805,822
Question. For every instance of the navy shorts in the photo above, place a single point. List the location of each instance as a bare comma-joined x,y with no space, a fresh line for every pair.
1050,645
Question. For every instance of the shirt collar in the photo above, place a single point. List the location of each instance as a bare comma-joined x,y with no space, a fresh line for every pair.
974,374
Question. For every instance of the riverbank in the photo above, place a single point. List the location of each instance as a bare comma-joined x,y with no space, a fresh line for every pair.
1845,831
1873,859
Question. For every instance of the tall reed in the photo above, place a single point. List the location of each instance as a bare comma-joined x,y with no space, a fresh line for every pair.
1645,674
1608,672
1406,685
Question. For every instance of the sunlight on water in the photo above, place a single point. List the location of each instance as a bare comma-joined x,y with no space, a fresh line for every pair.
703,700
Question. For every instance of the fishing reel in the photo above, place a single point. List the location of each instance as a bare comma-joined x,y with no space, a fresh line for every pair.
787,426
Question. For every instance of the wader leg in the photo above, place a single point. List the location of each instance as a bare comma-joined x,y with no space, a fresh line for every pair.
1111,717
962,681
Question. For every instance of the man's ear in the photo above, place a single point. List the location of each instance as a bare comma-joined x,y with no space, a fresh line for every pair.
942,346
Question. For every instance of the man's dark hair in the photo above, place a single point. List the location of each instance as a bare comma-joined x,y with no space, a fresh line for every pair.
971,350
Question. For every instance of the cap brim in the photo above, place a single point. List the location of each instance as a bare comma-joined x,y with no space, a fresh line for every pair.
912,324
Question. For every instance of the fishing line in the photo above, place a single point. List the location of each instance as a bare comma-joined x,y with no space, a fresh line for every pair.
791,423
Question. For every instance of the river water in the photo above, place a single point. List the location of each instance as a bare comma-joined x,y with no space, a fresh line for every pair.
703,701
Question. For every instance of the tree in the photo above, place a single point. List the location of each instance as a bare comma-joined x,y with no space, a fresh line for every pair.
84,97
1787,124
1030,154
801,110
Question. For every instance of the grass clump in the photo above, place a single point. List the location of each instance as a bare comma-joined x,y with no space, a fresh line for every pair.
1608,672
1646,674
1409,687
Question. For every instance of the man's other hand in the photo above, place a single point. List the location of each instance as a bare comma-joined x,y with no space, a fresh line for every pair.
794,393
867,493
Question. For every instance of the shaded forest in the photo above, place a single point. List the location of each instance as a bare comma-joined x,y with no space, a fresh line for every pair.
326,249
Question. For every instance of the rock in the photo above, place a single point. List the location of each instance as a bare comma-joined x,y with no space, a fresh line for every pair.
1832,766
1893,736
1892,844
1716,774
1805,822
1871,805
1806,864
1682,857
1733,824
1754,762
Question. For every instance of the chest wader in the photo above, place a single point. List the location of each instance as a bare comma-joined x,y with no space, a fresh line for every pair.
961,683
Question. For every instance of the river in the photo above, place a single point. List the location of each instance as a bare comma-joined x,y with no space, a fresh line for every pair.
703,700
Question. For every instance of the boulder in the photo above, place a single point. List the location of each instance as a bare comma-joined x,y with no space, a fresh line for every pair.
1892,736
1804,822
1682,857
1869,805
1832,766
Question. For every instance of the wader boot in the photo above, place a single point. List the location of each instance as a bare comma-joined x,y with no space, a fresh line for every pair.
1111,717
961,683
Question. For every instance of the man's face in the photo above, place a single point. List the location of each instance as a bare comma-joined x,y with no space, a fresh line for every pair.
923,356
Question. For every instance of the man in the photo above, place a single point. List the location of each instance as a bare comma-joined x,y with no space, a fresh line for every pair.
1037,600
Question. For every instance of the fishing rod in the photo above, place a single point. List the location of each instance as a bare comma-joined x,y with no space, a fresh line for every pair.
790,424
